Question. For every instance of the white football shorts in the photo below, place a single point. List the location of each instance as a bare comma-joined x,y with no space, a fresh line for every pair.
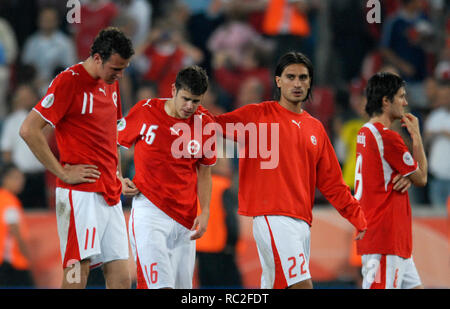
162,248
283,247
89,228
381,271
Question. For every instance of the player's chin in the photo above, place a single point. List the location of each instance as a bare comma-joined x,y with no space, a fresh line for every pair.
186,115
111,80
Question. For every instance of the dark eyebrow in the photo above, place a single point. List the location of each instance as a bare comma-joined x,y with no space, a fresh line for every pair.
193,100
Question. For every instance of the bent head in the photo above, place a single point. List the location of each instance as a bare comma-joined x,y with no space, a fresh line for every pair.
111,52
188,91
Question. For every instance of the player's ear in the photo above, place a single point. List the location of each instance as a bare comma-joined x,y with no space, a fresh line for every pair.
174,90
277,81
385,102
97,58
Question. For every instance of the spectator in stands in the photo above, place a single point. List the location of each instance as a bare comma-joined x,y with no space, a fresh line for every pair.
204,17
351,39
346,127
230,72
403,44
48,48
141,12
437,138
216,249
251,90
95,15
287,22
14,253
234,36
164,54
14,150
145,91
8,54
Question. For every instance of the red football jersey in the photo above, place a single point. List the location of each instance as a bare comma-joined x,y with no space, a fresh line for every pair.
282,181
381,154
84,112
166,156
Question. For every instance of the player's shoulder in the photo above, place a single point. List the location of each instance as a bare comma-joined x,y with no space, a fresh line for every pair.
149,104
313,122
69,76
383,133
256,109
204,115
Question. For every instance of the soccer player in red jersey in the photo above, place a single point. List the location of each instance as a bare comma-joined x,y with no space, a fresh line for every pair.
173,154
277,188
83,104
381,157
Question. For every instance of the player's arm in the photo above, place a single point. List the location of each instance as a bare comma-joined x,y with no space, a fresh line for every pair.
32,133
331,184
419,177
128,187
204,187
401,183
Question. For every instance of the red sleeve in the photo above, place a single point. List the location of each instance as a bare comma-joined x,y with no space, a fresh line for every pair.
54,105
332,186
397,154
129,127
209,142
236,121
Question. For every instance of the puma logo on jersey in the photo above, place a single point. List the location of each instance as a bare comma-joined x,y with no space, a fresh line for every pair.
296,123
102,90
147,103
73,73
177,132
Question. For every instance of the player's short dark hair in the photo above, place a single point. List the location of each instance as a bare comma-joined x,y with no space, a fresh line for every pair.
110,41
380,85
293,57
193,79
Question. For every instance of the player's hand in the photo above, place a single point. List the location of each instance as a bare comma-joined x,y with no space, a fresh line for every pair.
200,224
411,123
128,187
360,235
401,183
80,173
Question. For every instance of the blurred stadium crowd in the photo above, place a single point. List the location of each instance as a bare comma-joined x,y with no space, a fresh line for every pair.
237,42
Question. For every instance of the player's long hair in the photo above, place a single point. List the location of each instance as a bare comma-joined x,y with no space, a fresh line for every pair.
294,58
380,85
112,40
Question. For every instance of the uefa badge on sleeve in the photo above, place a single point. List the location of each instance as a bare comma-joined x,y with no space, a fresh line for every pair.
121,124
47,102
408,159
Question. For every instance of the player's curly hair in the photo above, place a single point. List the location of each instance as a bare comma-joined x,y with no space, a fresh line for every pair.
380,85
293,57
192,78
112,40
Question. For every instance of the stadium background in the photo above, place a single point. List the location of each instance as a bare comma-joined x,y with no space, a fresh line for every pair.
230,39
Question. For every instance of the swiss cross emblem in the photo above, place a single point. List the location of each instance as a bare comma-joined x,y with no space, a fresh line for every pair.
193,147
